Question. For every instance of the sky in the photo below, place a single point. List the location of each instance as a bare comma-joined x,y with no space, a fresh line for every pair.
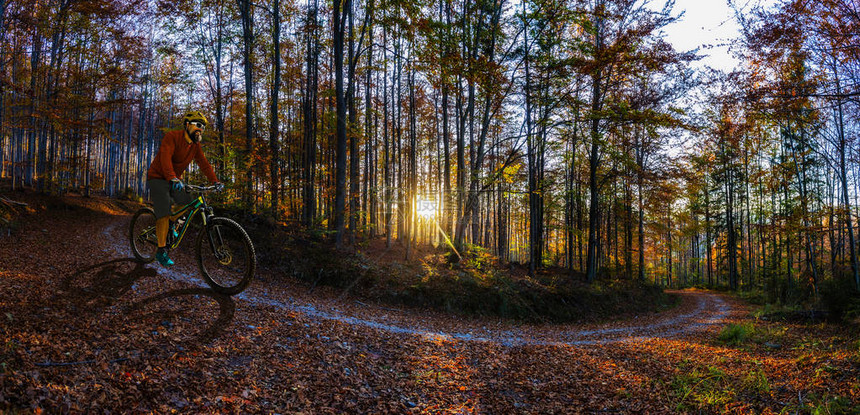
710,25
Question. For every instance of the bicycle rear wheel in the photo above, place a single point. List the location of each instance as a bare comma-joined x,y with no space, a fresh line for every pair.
141,235
226,256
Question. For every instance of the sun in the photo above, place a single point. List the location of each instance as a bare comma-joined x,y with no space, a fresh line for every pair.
426,208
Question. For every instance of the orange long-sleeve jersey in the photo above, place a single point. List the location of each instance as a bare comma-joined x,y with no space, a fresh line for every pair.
174,155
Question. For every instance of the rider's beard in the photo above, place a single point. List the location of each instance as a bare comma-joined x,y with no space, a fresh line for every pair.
197,136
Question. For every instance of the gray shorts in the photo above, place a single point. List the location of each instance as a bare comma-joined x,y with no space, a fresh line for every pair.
162,195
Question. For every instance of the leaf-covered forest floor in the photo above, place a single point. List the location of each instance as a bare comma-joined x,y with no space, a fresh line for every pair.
85,329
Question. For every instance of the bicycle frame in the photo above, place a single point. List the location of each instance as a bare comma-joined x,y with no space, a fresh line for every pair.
196,206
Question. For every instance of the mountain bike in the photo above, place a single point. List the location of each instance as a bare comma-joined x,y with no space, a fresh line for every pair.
225,254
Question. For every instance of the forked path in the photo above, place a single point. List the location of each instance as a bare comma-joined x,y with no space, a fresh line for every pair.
698,311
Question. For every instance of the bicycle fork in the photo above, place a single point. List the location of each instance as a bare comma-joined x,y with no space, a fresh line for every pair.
216,241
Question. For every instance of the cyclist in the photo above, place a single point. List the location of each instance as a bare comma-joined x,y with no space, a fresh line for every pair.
175,153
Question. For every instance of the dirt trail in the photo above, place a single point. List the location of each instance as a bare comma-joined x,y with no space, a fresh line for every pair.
698,311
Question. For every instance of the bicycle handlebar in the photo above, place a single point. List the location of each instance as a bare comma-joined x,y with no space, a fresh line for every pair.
202,189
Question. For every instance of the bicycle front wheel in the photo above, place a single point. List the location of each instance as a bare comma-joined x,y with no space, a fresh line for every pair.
226,256
141,235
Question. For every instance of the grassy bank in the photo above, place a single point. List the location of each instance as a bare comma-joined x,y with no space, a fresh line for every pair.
476,285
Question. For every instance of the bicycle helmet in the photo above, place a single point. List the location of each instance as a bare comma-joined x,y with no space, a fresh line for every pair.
194,116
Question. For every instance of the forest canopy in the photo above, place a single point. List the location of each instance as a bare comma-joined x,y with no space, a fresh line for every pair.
567,134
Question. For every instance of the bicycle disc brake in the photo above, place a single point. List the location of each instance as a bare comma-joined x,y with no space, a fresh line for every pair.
224,256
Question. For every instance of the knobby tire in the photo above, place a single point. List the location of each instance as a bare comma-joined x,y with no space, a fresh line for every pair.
238,238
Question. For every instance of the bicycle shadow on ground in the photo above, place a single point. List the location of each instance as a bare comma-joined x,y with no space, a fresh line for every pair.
92,290
101,285
226,312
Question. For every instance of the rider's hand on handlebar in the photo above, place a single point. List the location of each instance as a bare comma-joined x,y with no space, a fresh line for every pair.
219,186
176,184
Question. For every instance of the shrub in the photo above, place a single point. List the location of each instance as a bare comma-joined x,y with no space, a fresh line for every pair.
702,387
756,381
840,298
754,296
736,334
130,194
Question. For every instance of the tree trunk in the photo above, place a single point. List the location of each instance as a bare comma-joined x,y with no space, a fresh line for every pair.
731,239
708,236
641,231
571,200
669,239
369,153
35,58
412,180
446,189
386,150
594,156
339,16
3,160
274,140
352,131
628,230
310,121
247,18
219,98
531,152
843,177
